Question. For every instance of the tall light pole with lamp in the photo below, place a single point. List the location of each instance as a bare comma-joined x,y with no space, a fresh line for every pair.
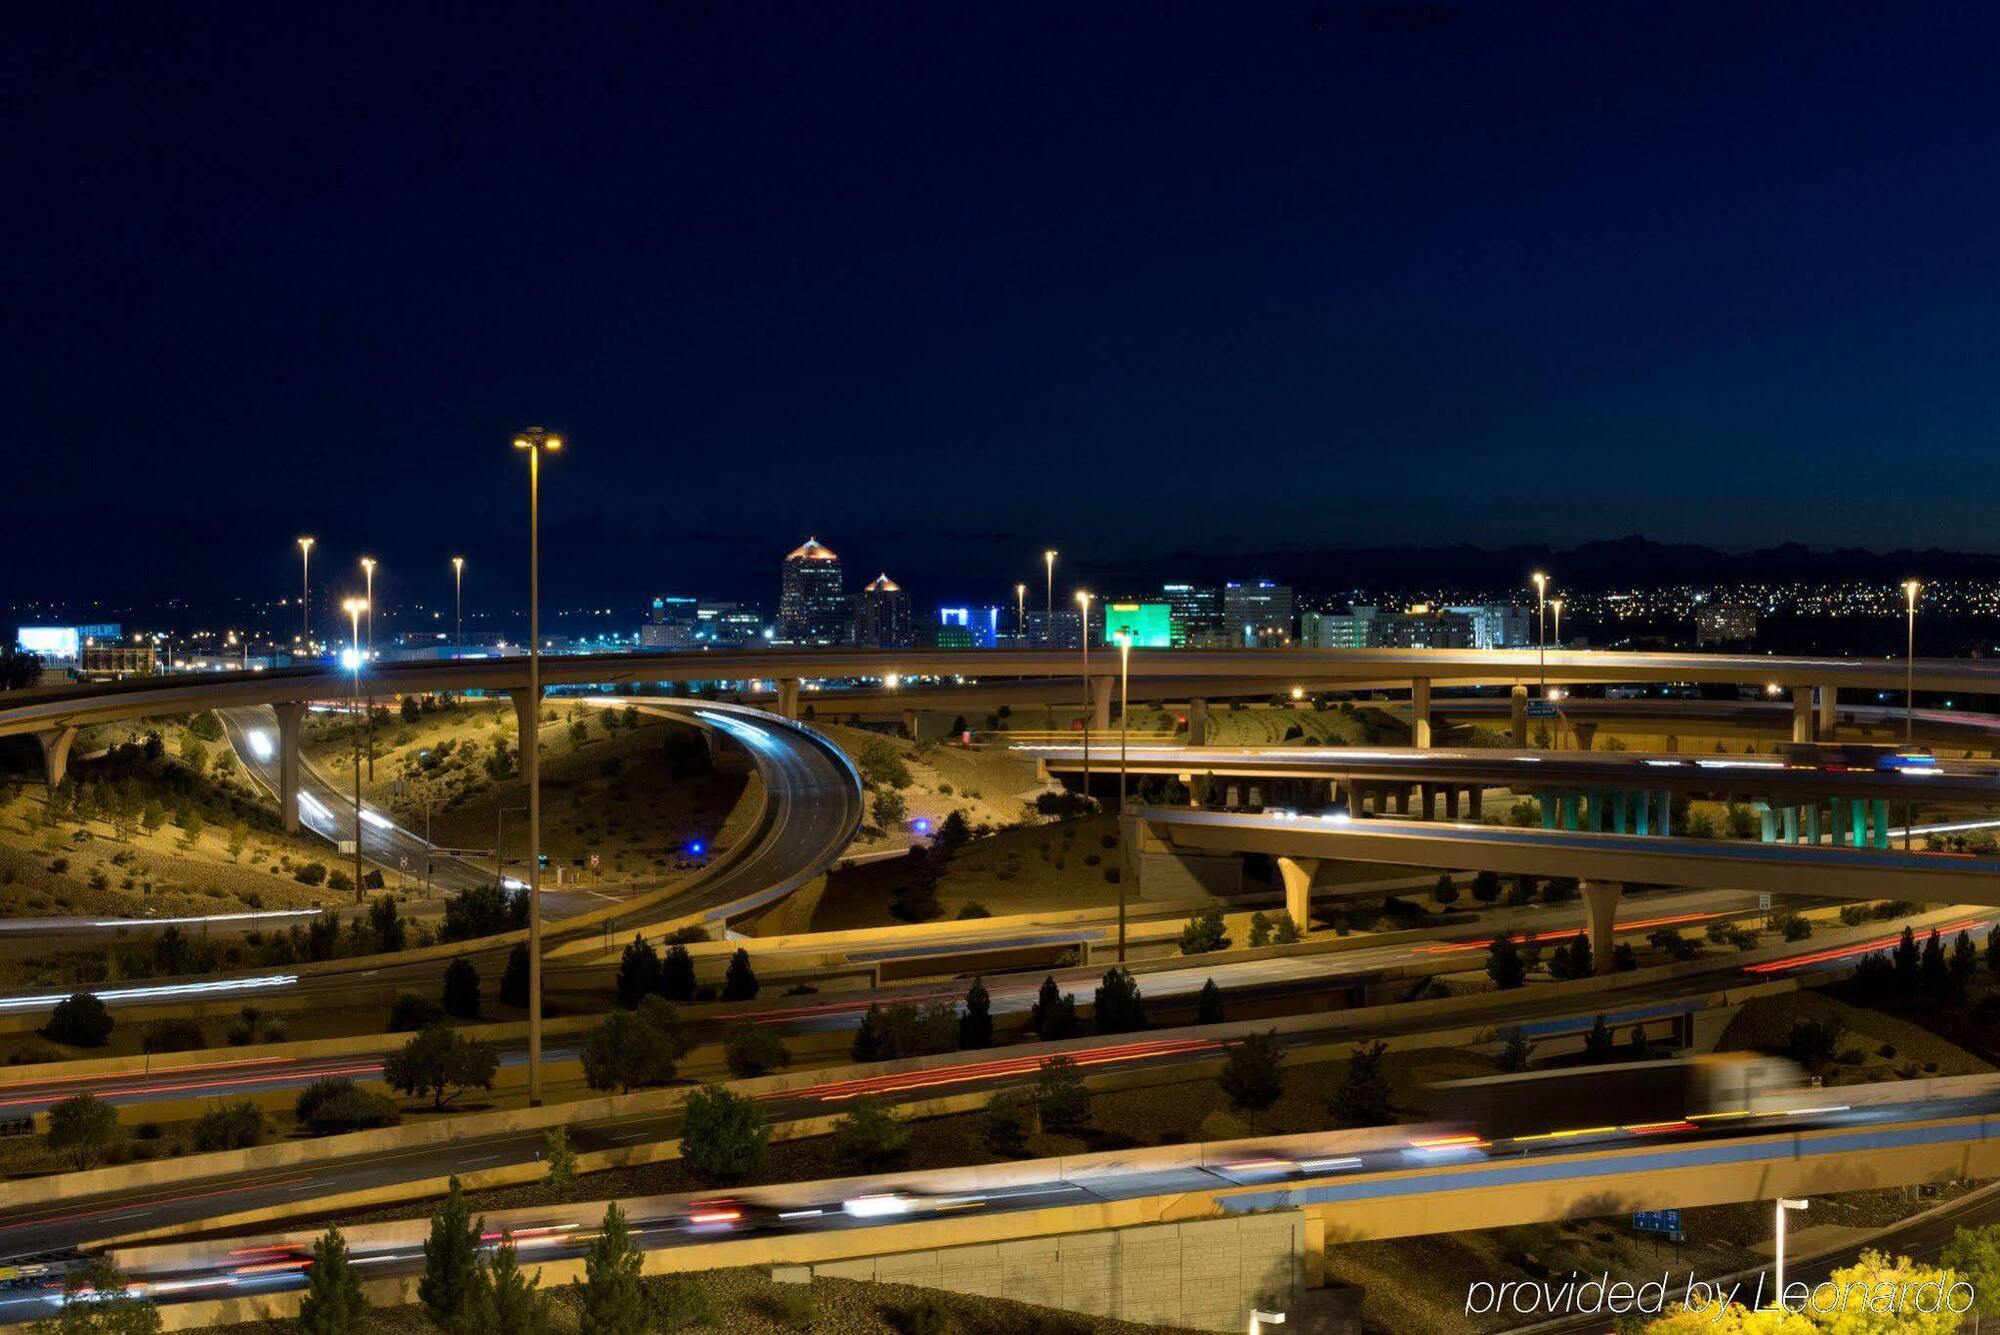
1021,614
306,598
1089,696
458,607
368,572
1124,726
354,607
1542,624
536,442
1049,566
1784,1204
1910,590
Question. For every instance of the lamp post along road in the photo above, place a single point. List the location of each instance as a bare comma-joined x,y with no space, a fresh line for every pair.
354,608
1784,1204
458,607
1021,614
1124,726
535,441
306,594
1049,565
368,572
1089,696
1910,589
1542,625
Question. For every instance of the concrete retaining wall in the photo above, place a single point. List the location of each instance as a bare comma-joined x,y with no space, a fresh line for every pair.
1207,1275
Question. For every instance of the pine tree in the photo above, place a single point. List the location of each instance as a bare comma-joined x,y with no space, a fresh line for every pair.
1054,1012
1597,1044
871,1038
638,972
334,1303
1119,1006
975,1027
1503,963
677,975
1061,1097
1964,962
1517,1050
613,1302
1208,1007
1363,1096
451,1288
1581,965
515,1304
1906,963
1253,1077
740,983
1993,949
1936,976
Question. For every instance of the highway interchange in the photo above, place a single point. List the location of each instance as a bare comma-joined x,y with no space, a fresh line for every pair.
813,809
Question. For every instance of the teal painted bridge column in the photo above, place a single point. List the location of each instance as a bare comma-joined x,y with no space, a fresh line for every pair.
1812,824
1767,821
1597,796
1880,806
1842,821
1547,802
1642,812
1791,825
1620,816
1570,802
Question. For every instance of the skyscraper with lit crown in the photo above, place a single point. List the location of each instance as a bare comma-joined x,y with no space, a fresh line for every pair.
882,615
812,605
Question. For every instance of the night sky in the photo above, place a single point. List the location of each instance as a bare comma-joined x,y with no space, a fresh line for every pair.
944,287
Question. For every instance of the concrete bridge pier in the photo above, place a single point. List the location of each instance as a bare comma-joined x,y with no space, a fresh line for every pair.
910,723
1101,689
55,753
1420,713
291,713
1829,712
1517,715
788,698
1197,723
1601,898
1802,714
1298,876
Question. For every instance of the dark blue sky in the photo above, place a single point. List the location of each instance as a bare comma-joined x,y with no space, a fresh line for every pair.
945,286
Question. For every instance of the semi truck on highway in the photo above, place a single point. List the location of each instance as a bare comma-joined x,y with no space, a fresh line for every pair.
1614,1097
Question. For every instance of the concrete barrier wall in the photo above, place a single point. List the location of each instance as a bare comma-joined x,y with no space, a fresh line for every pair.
1208,1275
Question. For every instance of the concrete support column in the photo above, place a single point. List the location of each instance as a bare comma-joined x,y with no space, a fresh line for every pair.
1597,796
910,721
1829,712
1101,690
1601,898
1791,825
1570,803
1802,714
1621,812
1837,816
1197,734
1298,874
1420,712
55,753
1517,715
291,713
1399,797
788,698
527,716
1475,801
1546,800
1768,823
1879,813
1451,803
1429,797
1664,819
1812,824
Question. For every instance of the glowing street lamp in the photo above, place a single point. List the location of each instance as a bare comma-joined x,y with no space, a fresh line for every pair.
1910,590
1784,1204
1089,697
354,607
1124,727
305,601
458,606
1556,605
1542,624
368,570
536,442
1021,612
1049,564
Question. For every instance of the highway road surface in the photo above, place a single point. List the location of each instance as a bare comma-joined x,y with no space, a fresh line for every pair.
1815,1123
1540,1013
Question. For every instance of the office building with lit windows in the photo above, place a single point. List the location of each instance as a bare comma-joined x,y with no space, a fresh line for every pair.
812,604
882,615
1259,615
1194,615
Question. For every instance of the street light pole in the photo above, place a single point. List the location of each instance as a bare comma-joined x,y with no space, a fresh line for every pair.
1542,625
1021,613
1910,588
1784,1204
458,607
306,600
535,441
354,607
1124,726
1049,564
1089,696
368,570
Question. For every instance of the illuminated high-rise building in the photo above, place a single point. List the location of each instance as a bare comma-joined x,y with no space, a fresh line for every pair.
882,615
812,606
